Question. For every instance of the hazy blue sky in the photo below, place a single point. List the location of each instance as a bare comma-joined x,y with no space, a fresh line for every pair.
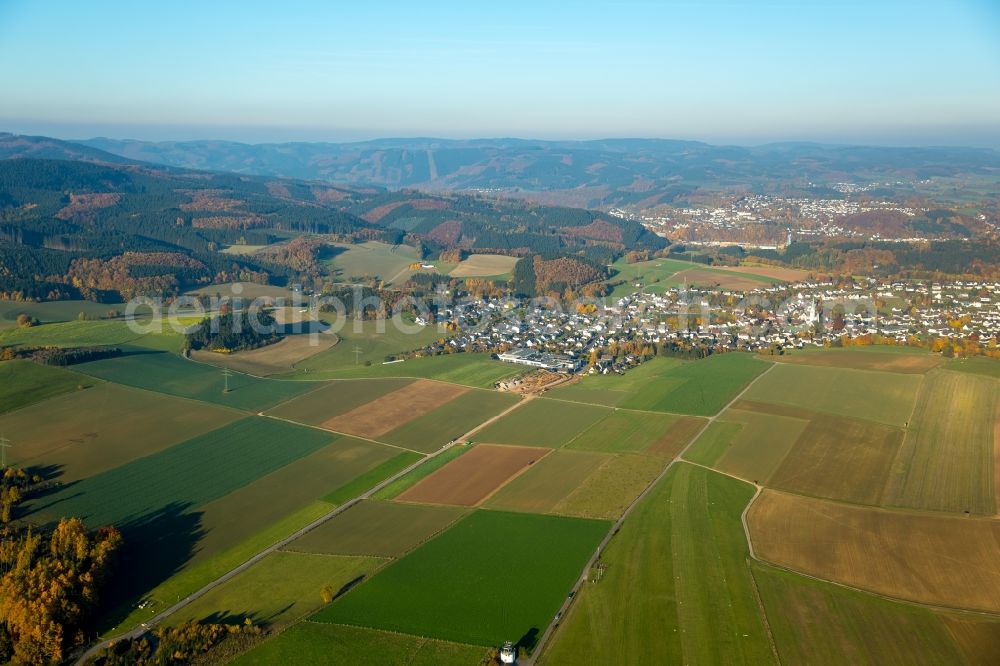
890,71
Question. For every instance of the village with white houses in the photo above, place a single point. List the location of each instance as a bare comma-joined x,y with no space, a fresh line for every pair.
695,322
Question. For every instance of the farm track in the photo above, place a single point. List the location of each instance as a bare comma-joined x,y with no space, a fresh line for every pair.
164,614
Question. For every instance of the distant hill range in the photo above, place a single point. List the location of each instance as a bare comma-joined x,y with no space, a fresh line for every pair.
75,220
588,174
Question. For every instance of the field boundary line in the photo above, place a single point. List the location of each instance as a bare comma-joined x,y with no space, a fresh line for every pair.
626,409
342,434
260,555
617,525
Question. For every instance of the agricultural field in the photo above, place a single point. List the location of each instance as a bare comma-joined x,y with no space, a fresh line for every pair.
432,464
947,461
543,422
192,473
394,409
275,359
657,275
936,559
699,388
840,458
432,430
364,346
719,279
171,374
281,588
882,397
477,582
613,390
473,477
612,487
624,431
83,433
484,265
316,644
747,444
55,311
476,370
977,365
389,263
675,587
372,477
378,529
818,623
245,290
76,334
267,500
23,383
328,399
549,481
916,362
778,273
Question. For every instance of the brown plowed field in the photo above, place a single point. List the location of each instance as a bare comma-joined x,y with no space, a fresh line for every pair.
924,557
394,409
471,478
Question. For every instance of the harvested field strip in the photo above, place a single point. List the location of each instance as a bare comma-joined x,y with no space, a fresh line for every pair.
171,374
477,580
372,478
188,474
882,397
761,444
394,409
916,364
840,458
315,644
431,465
471,478
676,437
449,421
88,432
823,624
932,559
24,383
336,397
548,482
381,529
542,422
612,487
947,460
674,587
724,280
476,265
624,431
281,588
240,514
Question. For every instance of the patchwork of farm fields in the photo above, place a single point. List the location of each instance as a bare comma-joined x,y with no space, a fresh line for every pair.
874,470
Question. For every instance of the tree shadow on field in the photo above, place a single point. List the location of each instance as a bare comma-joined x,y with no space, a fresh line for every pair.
528,642
156,546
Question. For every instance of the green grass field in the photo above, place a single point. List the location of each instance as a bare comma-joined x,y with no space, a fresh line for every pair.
315,644
373,259
379,529
373,346
883,397
491,577
281,588
946,461
431,465
436,428
549,481
477,370
624,432
818,623
240,514
80,334
700,388
613,390
329,399
747,444
23,383
613,486
87,432
677,588
188,474
543,422
977,365
171,374
54,311
372,478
